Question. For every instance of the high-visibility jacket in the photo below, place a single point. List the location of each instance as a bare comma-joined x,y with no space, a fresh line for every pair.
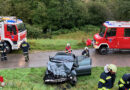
124,82
106,81
25,46
68,49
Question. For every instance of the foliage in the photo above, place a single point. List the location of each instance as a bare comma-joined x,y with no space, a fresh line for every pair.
60,16
34,31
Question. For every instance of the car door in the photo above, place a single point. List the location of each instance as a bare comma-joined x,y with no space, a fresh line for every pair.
111,37
126,39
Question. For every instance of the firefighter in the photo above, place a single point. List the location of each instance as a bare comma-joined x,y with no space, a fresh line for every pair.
3,50
86,52
124,83
107,78
68,48
25,47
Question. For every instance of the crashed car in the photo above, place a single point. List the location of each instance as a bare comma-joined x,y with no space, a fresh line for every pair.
65,67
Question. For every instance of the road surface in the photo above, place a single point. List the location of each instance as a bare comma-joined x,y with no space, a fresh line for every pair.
40,59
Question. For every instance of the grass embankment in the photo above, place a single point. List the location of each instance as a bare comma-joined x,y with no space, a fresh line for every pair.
58,42
31,79
53,44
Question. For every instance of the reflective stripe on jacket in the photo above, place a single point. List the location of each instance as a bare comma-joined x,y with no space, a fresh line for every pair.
124,82
106,81
24,46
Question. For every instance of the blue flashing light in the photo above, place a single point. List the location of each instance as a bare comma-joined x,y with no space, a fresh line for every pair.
108,23
11,21
19,19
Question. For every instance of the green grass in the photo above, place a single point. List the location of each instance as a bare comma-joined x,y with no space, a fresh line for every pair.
32,79
58,42
76,39
54,44
78,35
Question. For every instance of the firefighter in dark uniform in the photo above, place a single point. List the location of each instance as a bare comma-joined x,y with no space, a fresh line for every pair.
124,83
86,52
25,47
107,78
3,50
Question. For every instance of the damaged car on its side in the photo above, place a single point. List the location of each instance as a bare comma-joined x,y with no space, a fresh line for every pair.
65,67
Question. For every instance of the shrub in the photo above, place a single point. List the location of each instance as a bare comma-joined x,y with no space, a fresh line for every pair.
34,32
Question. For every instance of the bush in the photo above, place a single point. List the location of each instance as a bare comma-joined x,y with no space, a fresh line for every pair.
64,31
89,28
34,32
97,13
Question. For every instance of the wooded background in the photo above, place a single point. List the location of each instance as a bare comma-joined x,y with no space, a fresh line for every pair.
62,15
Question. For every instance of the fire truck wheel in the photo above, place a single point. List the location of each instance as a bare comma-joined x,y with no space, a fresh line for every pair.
103,50
8,48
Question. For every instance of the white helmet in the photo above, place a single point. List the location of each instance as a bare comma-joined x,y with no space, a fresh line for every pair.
86,48
3,84
68,44
112,67
106,68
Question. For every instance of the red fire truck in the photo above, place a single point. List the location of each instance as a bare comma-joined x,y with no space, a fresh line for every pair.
13,31
112,35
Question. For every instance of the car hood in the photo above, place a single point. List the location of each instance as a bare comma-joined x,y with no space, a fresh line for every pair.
97,37
60,68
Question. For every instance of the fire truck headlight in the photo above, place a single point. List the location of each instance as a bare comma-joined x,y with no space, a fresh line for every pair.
96,42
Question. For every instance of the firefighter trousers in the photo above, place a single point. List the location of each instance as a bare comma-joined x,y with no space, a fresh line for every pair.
3,56
26,56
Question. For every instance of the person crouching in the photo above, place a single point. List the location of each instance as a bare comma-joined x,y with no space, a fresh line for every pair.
86,52
107,78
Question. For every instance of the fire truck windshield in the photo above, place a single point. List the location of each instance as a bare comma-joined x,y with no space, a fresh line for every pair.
102,31
21,27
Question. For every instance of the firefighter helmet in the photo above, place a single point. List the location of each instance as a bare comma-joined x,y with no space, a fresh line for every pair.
112,67
68,44
86,48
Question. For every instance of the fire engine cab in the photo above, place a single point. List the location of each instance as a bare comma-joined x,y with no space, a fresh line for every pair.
112,35
13,32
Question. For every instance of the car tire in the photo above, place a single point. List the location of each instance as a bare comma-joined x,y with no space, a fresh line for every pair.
8,48
103,50
73,81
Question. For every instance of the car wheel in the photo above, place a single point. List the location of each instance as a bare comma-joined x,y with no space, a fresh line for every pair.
73,80
103,50
8,48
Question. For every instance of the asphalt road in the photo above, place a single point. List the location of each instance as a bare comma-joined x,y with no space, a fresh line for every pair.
40,59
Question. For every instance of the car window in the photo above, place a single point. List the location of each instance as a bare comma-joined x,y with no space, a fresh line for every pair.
63,57
12,29
111,32
127,32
